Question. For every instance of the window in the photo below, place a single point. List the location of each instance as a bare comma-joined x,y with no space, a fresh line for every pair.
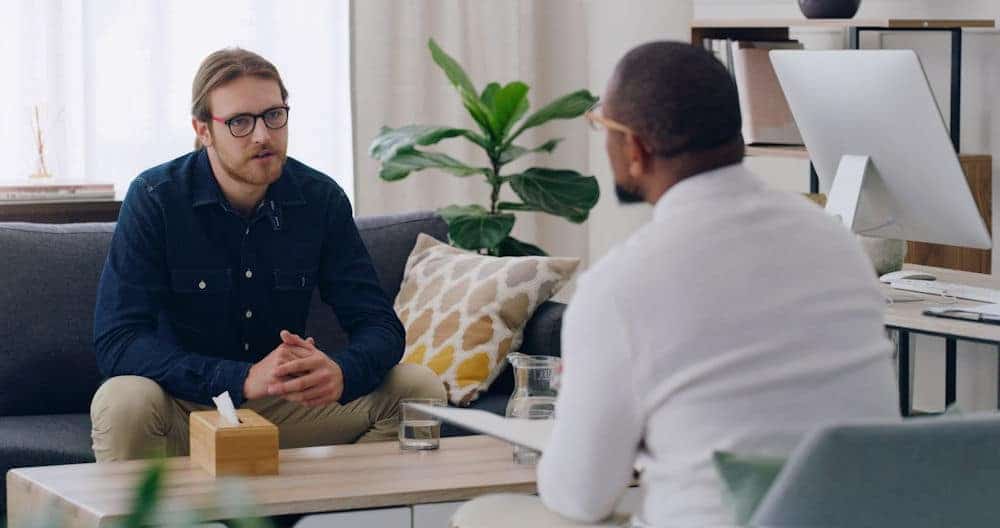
112,81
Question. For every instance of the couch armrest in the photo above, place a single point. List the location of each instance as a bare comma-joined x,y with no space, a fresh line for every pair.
541,338
542,333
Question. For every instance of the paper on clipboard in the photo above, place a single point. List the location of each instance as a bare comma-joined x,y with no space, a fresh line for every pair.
533,434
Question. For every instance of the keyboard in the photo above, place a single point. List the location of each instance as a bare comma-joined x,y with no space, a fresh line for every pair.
948,289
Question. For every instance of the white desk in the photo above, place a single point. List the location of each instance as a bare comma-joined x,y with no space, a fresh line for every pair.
907,317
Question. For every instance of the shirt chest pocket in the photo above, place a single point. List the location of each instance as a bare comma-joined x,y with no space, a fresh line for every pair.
294,280
292,293
201,297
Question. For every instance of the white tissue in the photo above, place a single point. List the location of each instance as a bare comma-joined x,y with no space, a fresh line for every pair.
226,408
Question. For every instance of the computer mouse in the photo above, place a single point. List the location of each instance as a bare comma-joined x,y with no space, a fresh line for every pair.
889,278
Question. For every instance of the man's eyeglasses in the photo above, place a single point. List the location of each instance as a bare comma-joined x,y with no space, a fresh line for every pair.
599,122
242,125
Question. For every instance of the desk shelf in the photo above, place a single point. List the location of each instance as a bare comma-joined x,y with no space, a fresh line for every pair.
778,29
60,212
777,151
840,23
977,168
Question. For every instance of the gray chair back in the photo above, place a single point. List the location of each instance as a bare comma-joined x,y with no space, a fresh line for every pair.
928,472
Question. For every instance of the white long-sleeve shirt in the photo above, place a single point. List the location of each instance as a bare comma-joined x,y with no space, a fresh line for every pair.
738,319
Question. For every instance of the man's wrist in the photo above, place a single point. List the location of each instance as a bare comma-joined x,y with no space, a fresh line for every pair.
248,393
348,377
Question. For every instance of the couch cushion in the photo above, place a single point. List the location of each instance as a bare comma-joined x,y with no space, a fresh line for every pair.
27,441
389,240
464,312
47,291
541,338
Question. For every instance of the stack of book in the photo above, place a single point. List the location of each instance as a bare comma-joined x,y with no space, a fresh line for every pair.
56,192
766,117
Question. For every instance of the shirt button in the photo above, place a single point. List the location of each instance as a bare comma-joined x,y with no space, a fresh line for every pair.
201,285
249,314
248,274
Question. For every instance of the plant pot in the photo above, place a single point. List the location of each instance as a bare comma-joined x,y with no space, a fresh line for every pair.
829,8
887,255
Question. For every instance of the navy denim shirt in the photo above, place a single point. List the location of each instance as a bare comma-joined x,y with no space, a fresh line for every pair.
192,293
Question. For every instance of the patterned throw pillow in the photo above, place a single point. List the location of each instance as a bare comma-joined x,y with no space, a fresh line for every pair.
465,312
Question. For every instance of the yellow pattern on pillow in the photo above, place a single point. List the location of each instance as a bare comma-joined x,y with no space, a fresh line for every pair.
465,312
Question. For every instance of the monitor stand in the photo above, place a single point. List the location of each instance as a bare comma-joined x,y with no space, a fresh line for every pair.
860,198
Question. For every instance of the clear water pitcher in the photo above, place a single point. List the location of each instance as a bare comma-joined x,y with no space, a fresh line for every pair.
536,383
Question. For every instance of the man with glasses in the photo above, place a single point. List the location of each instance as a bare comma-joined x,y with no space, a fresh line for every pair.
207,287
736,320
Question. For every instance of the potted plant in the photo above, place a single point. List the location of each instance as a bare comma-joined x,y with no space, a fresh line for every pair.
499,114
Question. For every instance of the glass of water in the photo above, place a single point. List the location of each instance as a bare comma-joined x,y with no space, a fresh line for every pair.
419,431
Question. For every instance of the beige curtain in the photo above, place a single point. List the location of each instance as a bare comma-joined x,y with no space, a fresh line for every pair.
555,46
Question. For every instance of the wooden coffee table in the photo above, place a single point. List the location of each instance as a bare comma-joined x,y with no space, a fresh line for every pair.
315,479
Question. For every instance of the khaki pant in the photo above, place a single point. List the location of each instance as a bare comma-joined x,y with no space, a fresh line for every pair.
133,417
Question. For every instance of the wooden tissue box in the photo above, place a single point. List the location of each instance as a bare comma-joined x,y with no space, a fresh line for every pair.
247,449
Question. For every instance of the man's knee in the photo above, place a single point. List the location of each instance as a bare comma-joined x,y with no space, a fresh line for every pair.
408,380
129,403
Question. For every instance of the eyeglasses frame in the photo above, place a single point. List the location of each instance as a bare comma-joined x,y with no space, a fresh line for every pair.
228,122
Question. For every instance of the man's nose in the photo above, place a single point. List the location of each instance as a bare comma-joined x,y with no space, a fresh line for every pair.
260,131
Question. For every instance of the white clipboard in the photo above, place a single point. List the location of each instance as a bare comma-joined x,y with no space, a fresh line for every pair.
533,434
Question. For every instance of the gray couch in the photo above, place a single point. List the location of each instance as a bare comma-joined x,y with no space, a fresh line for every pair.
48,373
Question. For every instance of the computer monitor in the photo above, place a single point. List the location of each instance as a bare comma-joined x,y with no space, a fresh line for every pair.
879,145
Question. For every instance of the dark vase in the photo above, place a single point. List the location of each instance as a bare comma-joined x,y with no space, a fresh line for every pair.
829,8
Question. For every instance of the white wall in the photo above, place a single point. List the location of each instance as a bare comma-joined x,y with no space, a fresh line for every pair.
614,29
977,366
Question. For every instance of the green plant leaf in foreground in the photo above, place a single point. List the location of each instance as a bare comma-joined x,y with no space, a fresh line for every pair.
564,193
473,227
146,496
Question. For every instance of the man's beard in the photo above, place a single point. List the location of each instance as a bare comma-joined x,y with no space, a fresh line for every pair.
626,196
255,172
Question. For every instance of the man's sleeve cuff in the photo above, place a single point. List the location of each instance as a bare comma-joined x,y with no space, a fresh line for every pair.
230,376
353,384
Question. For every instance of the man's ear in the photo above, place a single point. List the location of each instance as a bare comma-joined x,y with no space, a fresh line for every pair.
637,155
202,132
